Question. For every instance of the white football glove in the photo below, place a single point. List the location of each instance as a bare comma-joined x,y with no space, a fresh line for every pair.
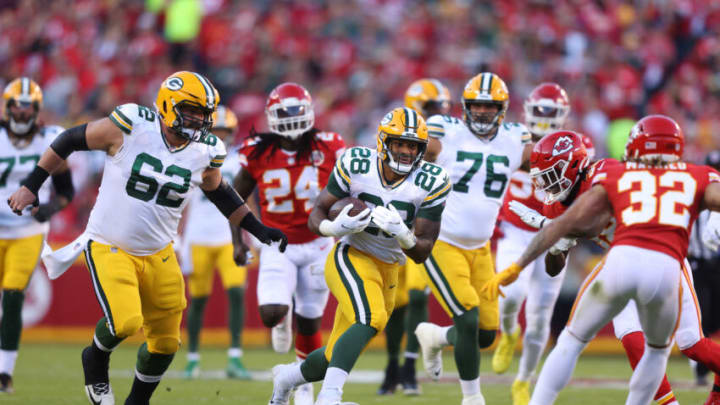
344,224
390,221
563,245
528,215
711,233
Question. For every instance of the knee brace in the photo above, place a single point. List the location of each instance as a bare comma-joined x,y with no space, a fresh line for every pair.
486,338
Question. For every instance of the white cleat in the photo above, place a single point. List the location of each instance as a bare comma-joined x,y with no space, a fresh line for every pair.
100,394
281,388
331,397
304,395
281,334
476,399
431,341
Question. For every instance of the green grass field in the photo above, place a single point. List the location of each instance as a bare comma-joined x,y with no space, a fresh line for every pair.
52,374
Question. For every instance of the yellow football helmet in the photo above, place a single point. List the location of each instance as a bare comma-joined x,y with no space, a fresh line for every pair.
428,97
225,123
23,92
184,96
406,124
485,88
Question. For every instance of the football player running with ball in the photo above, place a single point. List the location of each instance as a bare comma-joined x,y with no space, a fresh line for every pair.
22,140
546,111
289,166
653,198
407,197
480,153
207,245
427,97
155,160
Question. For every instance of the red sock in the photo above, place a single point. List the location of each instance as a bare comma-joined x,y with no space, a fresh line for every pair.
305,344
634,344
706,352
717,381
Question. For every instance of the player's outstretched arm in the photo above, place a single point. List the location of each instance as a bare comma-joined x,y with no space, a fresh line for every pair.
229,202
244,183
586,217
97,135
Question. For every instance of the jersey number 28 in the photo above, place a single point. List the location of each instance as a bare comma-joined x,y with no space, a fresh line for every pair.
670,208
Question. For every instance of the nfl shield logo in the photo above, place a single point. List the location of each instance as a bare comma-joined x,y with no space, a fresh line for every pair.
317,157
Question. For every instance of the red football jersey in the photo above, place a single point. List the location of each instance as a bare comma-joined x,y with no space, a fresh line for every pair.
554,210
655,207
288,187
523,190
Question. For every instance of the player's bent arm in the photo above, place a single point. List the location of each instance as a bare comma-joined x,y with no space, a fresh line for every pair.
229,202
320,211
244,183
426,233
434,147
586,217
711,200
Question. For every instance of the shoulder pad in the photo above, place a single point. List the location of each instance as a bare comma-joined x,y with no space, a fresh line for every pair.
518,130
437,124
123,116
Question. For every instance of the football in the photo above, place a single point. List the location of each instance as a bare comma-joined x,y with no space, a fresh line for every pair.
358,207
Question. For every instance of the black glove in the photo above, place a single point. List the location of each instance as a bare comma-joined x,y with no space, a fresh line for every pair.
45,211
264,234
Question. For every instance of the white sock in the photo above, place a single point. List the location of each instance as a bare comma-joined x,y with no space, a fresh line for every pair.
193,356
7,361
294,376
470,387
558,369
508,322
235,352
334,379
648,375
411,355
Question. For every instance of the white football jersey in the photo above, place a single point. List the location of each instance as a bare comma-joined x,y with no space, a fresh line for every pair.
480,171
206,225
146,185
15,165
422,193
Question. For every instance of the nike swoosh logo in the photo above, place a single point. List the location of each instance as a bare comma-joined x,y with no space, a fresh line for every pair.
90,395
392,286
165,259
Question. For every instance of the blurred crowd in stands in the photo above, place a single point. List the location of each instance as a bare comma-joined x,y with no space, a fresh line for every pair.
617,59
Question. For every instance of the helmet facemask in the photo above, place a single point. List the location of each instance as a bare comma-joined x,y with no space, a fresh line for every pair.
187,123
291,121
543,119
396,163
552,181
23,124
482,124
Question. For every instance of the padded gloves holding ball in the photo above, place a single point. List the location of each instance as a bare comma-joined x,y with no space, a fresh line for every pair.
344,224
390,221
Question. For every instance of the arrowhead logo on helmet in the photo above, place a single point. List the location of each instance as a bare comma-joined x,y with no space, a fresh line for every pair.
562,145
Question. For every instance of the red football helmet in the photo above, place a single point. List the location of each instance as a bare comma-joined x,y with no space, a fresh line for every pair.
289,110
655,139
587,141
556,162
546,109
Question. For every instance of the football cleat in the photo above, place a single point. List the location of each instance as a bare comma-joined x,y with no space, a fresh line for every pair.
520,392
391,380
100,394
408,380
192,370
502,358
476,399
281,388
431,340
304,395
236,369
331,397
281,334
6,385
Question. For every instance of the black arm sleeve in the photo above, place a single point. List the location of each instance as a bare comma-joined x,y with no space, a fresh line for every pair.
63,184
69,141
225,198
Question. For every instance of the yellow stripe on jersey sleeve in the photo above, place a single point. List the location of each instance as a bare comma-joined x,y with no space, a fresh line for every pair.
121,121
340,168
217,161
436,130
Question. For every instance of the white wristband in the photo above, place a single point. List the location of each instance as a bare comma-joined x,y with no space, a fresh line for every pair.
407,240
327,227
